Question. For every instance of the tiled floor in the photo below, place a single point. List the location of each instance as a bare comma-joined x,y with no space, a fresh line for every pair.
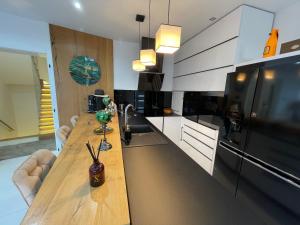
13,151
12,205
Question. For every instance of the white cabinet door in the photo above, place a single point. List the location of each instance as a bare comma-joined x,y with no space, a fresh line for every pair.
172,128
157,122
223,30
199,142
214,80
220,56
177,102
255,27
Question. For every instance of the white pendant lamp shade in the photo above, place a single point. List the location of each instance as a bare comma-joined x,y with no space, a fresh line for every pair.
148,57
167,39
138,66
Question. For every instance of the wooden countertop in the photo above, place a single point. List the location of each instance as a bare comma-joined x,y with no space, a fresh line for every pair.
66,196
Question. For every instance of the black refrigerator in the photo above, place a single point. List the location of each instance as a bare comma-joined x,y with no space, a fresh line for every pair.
258,152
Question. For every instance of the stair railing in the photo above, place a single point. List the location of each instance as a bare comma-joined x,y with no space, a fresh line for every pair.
7,126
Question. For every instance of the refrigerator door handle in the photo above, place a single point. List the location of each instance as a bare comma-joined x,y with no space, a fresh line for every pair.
231,148
273,173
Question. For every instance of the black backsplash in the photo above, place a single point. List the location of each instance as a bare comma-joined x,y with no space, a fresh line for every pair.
205,106
148,103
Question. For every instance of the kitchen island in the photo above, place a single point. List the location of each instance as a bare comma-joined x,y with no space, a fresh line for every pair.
166,187
66,196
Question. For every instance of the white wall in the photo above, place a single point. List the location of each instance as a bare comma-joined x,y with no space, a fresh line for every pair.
22,34
287,21
127,79
25,108
124,53
6,112
168,70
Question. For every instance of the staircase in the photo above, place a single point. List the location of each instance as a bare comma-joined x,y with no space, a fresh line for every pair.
46,124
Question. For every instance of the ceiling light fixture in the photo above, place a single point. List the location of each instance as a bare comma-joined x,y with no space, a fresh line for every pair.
77,5
136,64
167,39
148,56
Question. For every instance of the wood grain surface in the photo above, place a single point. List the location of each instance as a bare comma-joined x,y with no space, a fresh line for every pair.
66,196
67,43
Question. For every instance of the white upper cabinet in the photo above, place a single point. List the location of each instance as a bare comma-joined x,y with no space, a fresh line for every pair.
221,56
213,80
202,63
224,29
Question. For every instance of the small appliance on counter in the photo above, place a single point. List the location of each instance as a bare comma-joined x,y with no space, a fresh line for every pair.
95,102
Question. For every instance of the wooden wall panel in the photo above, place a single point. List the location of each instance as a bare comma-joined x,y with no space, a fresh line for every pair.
67,43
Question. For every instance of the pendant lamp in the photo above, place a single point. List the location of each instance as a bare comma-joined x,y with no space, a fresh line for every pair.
167,38
148,56
136,64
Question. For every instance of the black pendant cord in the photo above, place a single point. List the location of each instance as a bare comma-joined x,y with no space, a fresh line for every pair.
169,11
149,23
140,35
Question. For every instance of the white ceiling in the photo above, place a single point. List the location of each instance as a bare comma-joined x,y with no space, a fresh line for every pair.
115,19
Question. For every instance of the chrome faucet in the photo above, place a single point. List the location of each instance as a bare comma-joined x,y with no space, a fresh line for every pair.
126,114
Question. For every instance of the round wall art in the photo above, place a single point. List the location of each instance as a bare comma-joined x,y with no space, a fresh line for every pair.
85,70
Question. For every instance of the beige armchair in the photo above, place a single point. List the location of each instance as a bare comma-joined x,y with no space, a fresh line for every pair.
74,120
29,176
63,133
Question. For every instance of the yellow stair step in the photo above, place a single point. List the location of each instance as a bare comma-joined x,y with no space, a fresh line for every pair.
46,101
46,123
45,96
49,120
46,91
50,127
46,107
45,115
46,112
46,132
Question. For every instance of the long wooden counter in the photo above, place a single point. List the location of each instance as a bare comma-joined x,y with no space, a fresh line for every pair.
66,196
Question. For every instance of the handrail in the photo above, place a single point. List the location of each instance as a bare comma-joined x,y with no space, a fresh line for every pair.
6,125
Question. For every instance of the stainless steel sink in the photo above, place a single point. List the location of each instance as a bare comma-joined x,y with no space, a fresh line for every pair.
140,128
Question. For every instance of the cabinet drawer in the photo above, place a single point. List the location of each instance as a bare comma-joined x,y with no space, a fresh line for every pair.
201,137
201,160
198,145
200,128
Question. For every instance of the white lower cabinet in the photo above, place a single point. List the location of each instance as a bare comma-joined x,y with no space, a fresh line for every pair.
172,128
157,122
199,142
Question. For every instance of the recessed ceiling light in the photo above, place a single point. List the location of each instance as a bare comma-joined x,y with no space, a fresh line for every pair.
77,5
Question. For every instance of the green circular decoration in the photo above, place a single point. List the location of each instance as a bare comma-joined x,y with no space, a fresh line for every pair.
85,70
